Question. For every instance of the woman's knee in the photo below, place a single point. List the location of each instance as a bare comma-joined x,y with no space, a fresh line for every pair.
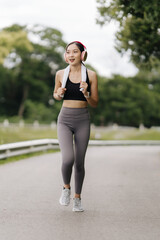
79,167
67,161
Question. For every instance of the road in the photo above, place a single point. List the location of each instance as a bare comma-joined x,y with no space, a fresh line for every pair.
121,197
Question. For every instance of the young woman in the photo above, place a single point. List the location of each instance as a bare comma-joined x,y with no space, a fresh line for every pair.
79,89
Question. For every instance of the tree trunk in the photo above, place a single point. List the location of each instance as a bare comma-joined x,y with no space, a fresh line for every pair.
25,95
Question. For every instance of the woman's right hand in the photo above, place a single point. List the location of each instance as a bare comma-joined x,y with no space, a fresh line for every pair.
61,91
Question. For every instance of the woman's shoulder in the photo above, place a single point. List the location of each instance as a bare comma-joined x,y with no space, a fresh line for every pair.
91,74
60,72
59,75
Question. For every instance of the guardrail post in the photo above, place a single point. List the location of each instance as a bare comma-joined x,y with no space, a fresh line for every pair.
6,123
7,153
31,148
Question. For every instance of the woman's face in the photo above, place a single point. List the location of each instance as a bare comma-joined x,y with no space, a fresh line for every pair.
73,54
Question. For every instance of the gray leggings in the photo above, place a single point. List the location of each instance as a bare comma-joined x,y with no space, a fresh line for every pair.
73,124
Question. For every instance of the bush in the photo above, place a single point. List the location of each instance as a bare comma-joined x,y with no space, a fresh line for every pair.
38,111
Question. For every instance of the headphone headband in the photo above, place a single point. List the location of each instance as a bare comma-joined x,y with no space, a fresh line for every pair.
77,42
81,44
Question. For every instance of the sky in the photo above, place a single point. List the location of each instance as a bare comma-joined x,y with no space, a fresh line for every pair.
77,21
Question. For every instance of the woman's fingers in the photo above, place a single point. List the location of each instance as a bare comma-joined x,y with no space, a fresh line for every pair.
61,91
83,85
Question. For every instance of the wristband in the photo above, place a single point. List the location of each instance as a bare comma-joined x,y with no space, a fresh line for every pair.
59,95
87,96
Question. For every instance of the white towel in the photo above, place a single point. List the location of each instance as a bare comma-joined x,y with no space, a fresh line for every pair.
66,74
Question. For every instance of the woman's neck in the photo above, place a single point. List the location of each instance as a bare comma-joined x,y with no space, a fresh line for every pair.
75,69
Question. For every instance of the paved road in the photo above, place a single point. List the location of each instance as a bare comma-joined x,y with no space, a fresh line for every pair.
121,196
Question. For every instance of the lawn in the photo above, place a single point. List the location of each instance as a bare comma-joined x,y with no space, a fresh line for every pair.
125,133
16,133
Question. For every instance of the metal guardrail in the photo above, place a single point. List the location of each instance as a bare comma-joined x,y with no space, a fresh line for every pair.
20,148
123,142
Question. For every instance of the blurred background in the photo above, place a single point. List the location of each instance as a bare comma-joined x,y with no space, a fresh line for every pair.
123,42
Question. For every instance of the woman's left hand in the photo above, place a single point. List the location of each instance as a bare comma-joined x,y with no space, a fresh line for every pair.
84,85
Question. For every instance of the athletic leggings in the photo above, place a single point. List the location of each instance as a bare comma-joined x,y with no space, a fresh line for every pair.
73,134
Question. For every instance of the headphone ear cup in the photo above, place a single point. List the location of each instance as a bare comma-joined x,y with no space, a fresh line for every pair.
84,56
65,58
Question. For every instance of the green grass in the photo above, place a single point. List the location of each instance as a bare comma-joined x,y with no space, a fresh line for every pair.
126,134
16,134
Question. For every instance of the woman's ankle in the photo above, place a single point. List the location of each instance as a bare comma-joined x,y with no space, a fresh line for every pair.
77,196
66,186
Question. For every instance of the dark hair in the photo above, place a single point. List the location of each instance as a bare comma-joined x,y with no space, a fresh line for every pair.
78,44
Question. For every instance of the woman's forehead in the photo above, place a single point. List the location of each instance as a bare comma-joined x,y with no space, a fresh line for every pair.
72,47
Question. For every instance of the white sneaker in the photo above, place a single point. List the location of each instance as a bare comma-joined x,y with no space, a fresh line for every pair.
65,197
77,207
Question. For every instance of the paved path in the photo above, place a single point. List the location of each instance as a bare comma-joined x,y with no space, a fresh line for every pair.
121,196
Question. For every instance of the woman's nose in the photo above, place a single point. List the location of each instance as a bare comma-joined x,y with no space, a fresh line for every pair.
71,54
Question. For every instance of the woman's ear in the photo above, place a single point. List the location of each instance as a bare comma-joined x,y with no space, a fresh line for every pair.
84,55
65,58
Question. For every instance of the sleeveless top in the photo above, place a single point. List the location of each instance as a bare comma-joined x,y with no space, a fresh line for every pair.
73,90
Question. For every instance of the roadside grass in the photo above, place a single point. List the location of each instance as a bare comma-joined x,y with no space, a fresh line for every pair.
126,134
16,134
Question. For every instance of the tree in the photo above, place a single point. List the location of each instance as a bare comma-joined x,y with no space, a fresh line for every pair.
12,39
32,56
127,102
139,28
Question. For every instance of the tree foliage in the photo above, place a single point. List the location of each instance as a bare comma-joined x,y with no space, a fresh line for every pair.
30,58
11,41
139,28
128,101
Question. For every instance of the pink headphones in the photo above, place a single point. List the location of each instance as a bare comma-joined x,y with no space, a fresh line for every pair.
83,54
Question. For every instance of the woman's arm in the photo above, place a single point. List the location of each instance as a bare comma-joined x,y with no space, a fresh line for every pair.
93,98
58,90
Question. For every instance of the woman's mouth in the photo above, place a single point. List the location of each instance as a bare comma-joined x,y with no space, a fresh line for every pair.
71,60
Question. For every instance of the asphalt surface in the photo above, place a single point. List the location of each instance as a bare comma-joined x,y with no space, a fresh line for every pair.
121,197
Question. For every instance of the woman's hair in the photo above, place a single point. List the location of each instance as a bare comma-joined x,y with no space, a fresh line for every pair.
78,44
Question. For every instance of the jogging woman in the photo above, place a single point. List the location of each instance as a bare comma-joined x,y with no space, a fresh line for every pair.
77,87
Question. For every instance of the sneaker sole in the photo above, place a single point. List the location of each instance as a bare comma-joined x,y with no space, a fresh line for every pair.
63,204
77,210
